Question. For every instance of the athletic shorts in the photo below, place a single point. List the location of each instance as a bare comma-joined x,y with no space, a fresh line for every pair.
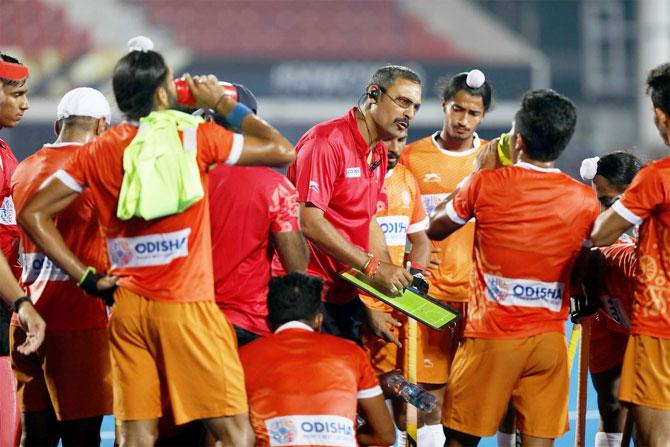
185,351
645,376
607,346
531,373
435,349
70,372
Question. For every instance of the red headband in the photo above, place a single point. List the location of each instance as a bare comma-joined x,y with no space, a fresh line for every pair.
13,72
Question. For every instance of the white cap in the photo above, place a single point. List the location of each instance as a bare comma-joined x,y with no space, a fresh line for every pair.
84,101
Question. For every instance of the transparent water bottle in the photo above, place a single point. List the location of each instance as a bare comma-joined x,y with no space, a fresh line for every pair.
410,392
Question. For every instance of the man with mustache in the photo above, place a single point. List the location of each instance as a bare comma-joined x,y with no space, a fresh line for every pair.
440,162
339,172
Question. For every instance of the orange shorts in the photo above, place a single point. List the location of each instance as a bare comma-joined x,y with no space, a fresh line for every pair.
607,346
70,373
645,376
531,373
186,350
435,349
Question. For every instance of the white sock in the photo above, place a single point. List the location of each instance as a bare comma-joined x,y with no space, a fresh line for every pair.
614,439
400,438
608,439
506,439
431,436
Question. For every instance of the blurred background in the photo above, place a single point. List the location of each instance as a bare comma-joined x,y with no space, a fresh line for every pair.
310,60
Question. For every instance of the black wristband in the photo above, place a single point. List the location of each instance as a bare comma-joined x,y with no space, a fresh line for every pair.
89,283
17,304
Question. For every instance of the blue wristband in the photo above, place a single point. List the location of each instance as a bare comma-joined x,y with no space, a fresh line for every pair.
237,115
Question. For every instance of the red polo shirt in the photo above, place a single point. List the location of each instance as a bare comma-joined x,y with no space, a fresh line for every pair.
9,232
331,172
247,204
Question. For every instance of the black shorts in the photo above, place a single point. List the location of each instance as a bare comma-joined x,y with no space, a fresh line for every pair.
345,320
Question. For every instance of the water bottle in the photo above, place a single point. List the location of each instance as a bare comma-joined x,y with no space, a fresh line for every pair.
185,97
410,392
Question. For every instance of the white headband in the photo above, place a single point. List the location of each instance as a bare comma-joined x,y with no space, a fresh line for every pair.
589,168
140,43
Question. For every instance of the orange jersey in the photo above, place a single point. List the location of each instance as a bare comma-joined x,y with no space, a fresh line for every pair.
166,259
438,172
403,214
618,284
400,213
303,387
526,245
63,305
647,202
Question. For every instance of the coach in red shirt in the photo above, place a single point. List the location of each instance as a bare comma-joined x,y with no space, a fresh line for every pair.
339,172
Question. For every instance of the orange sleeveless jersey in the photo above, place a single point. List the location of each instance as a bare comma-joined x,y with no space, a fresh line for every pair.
647,202
526,244
64,306
438,173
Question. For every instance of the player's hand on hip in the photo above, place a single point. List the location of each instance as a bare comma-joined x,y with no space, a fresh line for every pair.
380,324
434,262
34,325
392,277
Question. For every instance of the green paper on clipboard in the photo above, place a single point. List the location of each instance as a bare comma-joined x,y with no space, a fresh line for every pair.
425,309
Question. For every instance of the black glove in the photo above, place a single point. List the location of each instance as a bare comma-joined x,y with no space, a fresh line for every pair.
419,281
582,306
90,285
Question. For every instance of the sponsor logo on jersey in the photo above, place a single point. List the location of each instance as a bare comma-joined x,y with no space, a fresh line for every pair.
352,172
395,229
148,250
37,267
615,310
524,292
7,212
311,430
313,186
432,177
430,201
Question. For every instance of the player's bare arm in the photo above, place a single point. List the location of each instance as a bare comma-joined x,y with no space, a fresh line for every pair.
30,320
378,429
292,250
263,144
321,232
378,245
36,219
421,248
608,227
441,224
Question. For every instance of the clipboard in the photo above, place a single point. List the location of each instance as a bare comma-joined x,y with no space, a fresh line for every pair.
411,302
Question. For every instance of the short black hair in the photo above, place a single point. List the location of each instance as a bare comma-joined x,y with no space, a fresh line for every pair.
385,76
546,120
658,87
619,168
13,83
137,75
295,296
450,86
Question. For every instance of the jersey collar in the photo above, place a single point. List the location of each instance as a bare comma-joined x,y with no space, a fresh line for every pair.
361,146
476,142
294,325
63,144
523,164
